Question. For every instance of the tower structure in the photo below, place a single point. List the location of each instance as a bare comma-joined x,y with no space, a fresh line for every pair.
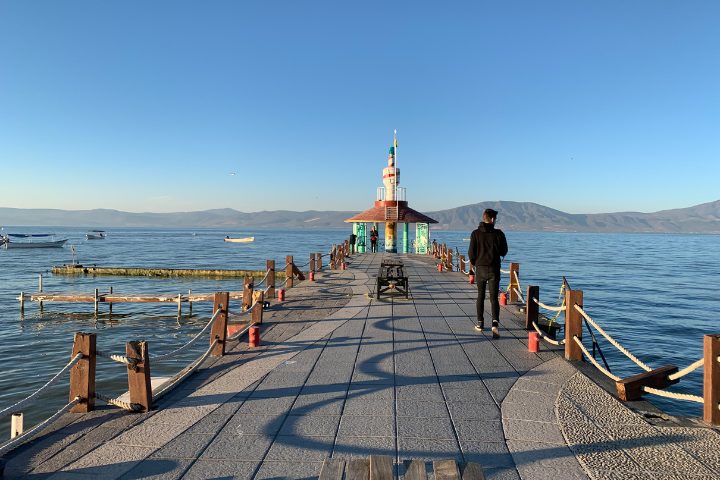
391,208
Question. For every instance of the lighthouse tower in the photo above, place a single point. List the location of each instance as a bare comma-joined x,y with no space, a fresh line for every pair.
391,207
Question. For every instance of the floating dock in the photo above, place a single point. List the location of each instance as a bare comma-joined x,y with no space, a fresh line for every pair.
341,374
158,272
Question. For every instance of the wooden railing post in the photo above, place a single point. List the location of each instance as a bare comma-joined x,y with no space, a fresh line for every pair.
573,324
461,264
711,379
257,311
270,282
247,297
531,308
318,261
82,374
450,261
219,327
311,268
139,374
514,275
289,268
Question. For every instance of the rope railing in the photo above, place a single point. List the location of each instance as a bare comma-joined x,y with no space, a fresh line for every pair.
117,358
505,271
548,307
130,407
617,345
690,368
7,446
167,386
265,277
594,362
189,343
517,281
546,338
520,295
674,395
30,399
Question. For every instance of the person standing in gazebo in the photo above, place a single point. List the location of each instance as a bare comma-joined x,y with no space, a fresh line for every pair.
373,239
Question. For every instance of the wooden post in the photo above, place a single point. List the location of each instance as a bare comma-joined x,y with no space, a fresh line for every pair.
450,261
257,311
531,308
22,303
40,288
179,302
247,297
318,261
312,263
461,265
573,324
16,425
289,271
219,327
110,303
270,282
711,379
139,374
514,275
82,374
97,302
189,302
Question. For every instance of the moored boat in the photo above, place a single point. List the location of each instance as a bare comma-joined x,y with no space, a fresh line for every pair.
240,239
30,242
96,235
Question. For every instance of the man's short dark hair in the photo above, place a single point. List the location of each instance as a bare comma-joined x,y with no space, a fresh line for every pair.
489,214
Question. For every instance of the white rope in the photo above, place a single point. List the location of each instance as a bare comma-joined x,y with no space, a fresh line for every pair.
548,307
612,341
264,278
519,294
191,342
33,396
131,407
690,368
504,271
594,362
166,387
517,279
673,395
545,337
117,358
6,447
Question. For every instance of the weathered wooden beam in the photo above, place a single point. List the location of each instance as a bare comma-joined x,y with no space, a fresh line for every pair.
357,469
631,388
711,379
139,374
446,470
247,293
381,467
473,471
332,469
318,261
573,324
416,471
82,374
270,282
219,327
514,275
531,308
289,266
257,311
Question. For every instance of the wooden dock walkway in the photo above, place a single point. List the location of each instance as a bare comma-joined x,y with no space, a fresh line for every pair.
341,374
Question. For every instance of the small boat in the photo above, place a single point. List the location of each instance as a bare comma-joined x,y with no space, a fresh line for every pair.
240,239
96,235
30,242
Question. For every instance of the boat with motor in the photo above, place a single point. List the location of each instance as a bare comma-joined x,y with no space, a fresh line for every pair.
31,240
96,235
240,239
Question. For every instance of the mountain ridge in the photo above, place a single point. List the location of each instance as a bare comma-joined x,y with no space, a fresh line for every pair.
514,216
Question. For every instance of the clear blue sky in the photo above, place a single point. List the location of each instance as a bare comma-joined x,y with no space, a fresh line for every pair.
579,105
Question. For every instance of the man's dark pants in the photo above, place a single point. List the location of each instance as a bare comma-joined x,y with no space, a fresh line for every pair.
490,277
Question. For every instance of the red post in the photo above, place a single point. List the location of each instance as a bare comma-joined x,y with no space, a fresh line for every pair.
254,337
280,294
533,342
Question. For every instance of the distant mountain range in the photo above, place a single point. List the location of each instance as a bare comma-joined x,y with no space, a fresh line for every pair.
514,216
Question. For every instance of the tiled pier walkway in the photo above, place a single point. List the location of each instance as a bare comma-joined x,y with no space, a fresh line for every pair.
341,374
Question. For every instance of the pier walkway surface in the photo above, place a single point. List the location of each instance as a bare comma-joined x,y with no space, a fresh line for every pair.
343,374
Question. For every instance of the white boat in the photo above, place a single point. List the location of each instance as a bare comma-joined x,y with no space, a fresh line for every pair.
96,235
240,240
8,240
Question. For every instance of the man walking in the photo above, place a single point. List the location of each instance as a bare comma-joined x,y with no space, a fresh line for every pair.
487,245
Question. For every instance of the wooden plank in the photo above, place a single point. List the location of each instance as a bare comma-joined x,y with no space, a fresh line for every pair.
82,374
357,469
711,379
155,272
630,388
332,469
446,470
416,471
381,467
473,471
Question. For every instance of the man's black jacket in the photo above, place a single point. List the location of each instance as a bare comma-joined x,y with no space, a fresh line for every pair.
487,245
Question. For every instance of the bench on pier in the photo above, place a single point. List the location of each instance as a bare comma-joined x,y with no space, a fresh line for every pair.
380,467
391,276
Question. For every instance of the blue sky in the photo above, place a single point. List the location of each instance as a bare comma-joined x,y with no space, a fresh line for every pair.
579,105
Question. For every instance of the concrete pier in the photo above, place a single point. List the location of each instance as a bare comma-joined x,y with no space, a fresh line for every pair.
343,374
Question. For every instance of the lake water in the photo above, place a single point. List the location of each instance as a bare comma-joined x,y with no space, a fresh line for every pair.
656,294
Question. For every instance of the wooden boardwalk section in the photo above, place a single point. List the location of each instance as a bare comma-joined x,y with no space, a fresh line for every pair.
341,374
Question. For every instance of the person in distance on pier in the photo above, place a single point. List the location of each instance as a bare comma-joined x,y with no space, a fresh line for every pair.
487,245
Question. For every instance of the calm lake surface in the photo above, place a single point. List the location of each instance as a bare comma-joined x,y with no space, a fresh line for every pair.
656,294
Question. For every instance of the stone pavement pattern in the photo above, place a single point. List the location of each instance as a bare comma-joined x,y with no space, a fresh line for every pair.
353,376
